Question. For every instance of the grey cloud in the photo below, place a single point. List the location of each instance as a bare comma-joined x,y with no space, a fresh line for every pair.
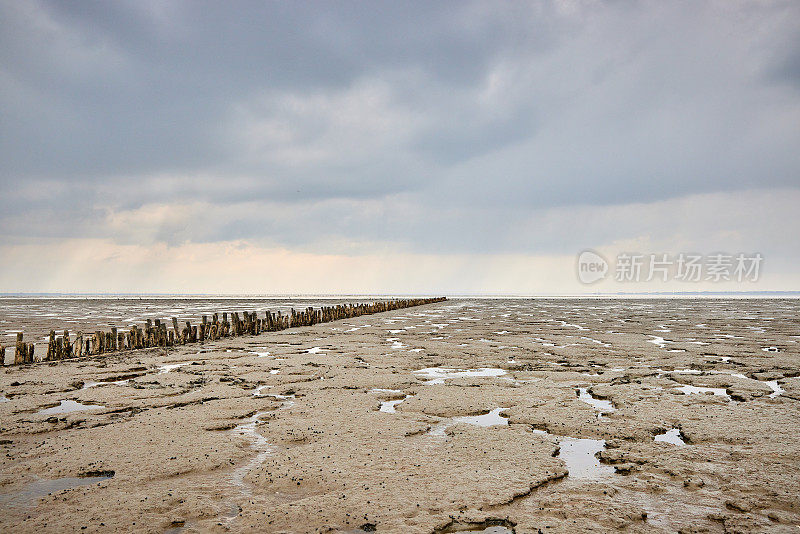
439,126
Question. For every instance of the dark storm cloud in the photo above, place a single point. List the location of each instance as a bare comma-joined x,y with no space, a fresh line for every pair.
433,125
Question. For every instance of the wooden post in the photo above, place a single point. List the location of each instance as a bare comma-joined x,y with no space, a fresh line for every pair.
19,350
67,346
51,346
78,350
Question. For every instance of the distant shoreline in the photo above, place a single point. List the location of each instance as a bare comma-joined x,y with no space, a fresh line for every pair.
332,296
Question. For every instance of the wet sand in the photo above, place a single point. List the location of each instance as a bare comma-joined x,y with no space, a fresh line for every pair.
514,415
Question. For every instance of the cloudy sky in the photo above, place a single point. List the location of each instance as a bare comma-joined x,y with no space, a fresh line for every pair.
393,147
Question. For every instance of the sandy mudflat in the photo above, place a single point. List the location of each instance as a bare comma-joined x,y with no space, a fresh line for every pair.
294,431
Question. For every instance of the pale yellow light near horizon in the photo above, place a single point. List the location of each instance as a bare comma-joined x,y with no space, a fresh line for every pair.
238,267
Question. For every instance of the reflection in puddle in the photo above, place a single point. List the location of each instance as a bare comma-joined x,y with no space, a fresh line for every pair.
776,389
396,342
163,369
91,383
580,456
672,436
259,443
437,375
603,406
694,390
288,400
41,487
493,418
479,528
314,350
389,406
69,406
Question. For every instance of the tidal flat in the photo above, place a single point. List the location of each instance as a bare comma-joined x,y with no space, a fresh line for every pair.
552,415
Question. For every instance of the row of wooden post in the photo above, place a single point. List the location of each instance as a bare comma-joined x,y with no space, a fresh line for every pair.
156,334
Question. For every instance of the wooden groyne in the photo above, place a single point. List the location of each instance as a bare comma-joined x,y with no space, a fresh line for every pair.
158,334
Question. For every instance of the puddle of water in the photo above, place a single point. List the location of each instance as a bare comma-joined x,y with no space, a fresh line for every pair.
91,383
3,398
389,406
261,352
437,375
672,436
660,341
596,341
579,327
694,390
580,456
288,400
396,342
493,418
771,349
39,488
455,529
603,406
776,389
258,443
69,406
163,369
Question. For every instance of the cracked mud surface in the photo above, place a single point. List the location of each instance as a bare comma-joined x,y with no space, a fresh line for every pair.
329,460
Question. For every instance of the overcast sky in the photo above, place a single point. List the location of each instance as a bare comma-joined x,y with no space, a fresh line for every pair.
461,147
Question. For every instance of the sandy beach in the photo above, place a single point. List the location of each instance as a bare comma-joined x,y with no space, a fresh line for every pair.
490,415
